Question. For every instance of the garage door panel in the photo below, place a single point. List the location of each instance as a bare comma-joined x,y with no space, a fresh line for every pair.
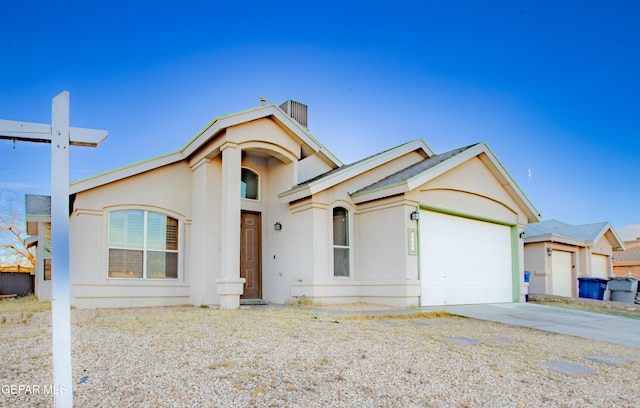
599,266
561,273
464,261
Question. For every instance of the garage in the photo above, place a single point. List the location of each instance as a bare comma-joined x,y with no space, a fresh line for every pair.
599,266
464,261
561,273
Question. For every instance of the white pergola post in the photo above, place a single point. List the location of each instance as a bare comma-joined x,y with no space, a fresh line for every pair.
61,136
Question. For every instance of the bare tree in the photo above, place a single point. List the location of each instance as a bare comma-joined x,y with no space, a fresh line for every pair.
13,245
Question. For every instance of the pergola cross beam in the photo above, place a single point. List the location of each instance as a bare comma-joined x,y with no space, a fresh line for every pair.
41,133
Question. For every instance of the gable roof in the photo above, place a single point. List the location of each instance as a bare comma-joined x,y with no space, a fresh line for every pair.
630,232
403,176
630,255
212,129
37,205
579,235
341,174
37,209
419,173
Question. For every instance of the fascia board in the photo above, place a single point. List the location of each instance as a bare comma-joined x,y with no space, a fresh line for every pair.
294,195
558,239
365,166
38,218
395,189
31,241
353,171
510,184
223,122
124,172
616,243
417,180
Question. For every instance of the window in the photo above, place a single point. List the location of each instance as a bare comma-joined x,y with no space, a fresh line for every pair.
46,259
340,242
249,184
143,244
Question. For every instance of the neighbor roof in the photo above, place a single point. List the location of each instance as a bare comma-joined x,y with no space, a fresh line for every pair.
37,209
630,232
580,235
37,205
631,254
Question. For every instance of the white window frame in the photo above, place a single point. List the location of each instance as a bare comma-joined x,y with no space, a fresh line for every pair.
349,245
144,250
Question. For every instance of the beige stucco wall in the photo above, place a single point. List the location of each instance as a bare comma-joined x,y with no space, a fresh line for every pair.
472,189
297,261
166,190
538,262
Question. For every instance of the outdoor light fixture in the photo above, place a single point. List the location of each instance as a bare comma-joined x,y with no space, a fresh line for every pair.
549,251
277,226
523,235
415,216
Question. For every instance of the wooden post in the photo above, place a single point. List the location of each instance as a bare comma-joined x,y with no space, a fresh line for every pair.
61,136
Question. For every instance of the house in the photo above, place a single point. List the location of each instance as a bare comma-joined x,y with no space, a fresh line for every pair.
556,254
630,232
38,218
627,263
255,209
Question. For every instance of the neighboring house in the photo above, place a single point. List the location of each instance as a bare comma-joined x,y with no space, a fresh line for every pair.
630,232
254,209
38,218
627,263
557,254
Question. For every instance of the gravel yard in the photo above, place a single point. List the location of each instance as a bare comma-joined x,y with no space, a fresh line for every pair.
297,357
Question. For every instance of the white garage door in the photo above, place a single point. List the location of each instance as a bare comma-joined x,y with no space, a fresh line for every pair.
599,266
561,276
464,261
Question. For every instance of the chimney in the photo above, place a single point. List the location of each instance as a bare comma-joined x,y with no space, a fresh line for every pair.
297,111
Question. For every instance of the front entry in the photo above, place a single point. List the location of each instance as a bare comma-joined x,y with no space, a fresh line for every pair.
250,255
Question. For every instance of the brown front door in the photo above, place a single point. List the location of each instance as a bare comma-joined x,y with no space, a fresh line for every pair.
250,256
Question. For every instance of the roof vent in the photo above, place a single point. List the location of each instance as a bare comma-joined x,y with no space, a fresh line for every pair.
297,111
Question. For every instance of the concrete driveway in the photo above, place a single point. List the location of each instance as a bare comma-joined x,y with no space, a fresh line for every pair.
619,330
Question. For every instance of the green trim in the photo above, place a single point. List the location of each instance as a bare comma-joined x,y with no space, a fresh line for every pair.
464,214
515,264
515,244
419,255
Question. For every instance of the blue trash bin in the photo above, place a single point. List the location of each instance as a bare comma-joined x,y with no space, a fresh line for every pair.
527,276
592,288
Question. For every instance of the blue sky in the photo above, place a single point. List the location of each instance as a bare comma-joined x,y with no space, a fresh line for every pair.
551,87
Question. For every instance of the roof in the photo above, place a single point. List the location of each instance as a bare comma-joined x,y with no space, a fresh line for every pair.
631,254
37,205
411,171
210,131
419,173
37,209
341,174
630,232
579,235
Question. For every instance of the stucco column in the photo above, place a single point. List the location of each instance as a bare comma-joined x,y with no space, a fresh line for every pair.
230,285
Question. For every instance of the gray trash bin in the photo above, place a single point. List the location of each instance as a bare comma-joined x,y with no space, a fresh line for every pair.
623,284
